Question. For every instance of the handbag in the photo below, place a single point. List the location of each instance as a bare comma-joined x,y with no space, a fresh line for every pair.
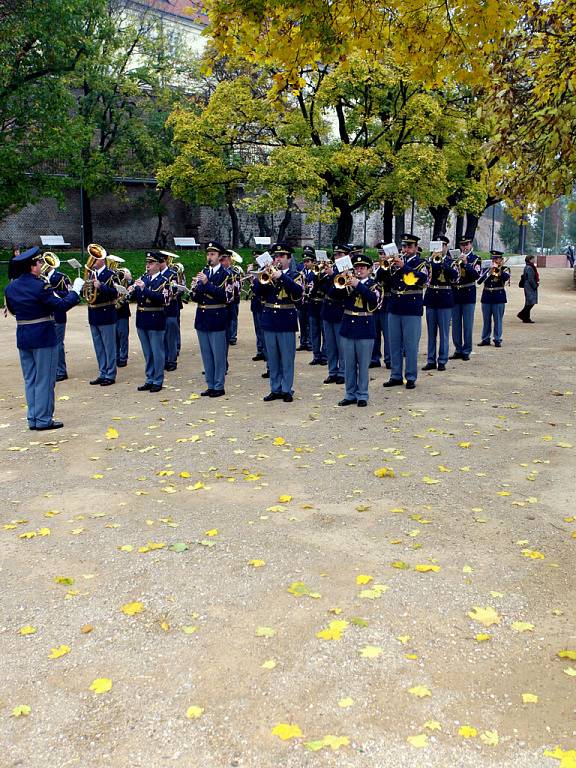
522,282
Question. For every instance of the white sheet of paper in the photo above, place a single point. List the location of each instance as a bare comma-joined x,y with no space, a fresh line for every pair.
74,263
343,263
390,249
436,245
264,259
321,256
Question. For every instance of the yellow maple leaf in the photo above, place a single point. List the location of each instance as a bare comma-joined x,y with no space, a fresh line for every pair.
269,664
420,691
430,480
533,554
522,626
409,278
185,474
370,651
61,650
130,609
22,710
27,630
334,742
285,498
464,444
400,565
363,579
212,532
265,632
278,441
426,568
567,655
287,731
467,732
257,563
193,712
486,616
567,757
481,637
529,698
334,630
111,433
101,685
490,738
419,741
346,702
384,472
432,725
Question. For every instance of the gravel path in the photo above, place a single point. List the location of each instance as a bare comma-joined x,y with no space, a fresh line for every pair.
241,529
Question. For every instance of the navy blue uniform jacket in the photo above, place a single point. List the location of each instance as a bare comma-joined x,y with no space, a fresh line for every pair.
212,299
279,300
150,313
359,305
407,299
103,311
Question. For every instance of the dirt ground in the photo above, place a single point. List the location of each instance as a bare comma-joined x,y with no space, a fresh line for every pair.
479,485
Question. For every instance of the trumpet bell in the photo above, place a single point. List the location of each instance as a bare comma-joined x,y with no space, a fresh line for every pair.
51,261
341,281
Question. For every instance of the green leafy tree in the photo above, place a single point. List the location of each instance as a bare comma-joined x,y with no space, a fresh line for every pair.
509,231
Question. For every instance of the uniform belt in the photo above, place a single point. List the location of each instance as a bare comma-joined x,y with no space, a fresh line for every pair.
465,285
317,299
212,306
357,314
280,306
407,293
150,309
105,304
501,288
37,320
441,287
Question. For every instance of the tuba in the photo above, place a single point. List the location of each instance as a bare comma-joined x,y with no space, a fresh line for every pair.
95,252
169,256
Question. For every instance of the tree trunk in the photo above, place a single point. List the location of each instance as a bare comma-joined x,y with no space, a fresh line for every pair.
345,222
522,236
440,214
459,229
387,221
233,218
399,227
86,218
285,223
471,225
160,237
263,227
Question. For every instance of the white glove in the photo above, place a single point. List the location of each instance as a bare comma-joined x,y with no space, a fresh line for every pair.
77,285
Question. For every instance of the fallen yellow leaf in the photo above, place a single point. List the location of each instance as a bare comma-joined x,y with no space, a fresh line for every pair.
193,712
56,653
130,609
101,685
287,731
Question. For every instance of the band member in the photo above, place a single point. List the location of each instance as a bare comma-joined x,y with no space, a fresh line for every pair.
493,300
33,302
237,273
150,292
123,315
314,299
61,286
359,296
406,309
172,314
332,311
305,269
209,291
382,277
233,300
256,309
464,301
280,289
439,300
102,318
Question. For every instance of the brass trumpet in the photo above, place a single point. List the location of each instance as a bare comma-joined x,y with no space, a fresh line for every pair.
343,279
265,276
437,258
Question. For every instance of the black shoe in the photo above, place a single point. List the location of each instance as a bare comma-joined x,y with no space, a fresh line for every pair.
324,361
206,393
346,402
287,397
97,381
301,348
441,367
497,343
62,378
52,425
107,382
170,366
393,383
484,344
315,362
331,380
144,387
258,357
429,367
362,403
389,366
155,387
410,385
520,316
233,342
457,356
465,357
273,396
30,427
266,375
217,393
122,364
524,321
375,364
339,380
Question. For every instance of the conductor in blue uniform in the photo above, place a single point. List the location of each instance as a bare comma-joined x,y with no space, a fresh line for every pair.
439,300
33,301
150,292
212,296
493,299
280,293
406,309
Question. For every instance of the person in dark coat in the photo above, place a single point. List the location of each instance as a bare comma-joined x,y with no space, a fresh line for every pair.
530,281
